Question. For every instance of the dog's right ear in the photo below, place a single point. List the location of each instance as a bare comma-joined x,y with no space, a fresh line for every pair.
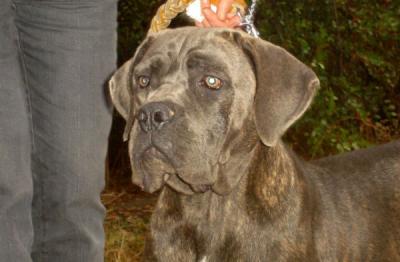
121,94
121,86
119,89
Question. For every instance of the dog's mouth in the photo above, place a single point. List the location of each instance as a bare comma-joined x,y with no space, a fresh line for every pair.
155,170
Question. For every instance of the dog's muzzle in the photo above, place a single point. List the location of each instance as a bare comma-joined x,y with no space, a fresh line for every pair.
154,116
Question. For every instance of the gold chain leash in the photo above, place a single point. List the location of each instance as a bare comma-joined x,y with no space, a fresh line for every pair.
166,13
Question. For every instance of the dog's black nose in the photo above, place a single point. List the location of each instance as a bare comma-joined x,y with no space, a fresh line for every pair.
153,116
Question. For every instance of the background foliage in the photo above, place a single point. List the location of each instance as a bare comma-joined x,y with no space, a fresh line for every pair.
353,46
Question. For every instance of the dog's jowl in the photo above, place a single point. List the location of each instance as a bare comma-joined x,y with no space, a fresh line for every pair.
205,112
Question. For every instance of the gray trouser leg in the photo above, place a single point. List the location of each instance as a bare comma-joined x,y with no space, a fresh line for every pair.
15,148
67,51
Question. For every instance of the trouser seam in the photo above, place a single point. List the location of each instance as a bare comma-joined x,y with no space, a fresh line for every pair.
25,78
31,122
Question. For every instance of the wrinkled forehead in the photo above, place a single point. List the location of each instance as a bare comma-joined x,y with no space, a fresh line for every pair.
187,45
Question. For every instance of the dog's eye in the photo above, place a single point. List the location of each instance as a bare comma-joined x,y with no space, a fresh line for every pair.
143,81
212,82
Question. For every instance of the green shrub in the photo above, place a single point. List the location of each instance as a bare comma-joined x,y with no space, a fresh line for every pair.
353,46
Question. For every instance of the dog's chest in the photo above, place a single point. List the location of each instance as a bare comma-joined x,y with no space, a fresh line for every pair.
212,232
204,259
222,233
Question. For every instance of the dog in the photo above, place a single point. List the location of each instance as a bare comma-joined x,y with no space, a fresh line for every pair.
205,111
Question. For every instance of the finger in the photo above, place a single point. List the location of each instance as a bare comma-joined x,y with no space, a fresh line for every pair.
205,4
199,24
212,18
230,15
224,7
221,24
234,22
205,23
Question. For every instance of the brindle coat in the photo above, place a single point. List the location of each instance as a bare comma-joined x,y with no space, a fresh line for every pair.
231,190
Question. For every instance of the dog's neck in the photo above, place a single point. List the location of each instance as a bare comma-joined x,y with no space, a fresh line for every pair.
274,183
269,185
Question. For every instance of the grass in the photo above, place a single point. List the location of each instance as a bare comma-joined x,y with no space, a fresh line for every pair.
126,223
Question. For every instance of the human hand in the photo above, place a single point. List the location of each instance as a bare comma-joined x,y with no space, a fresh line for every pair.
222,18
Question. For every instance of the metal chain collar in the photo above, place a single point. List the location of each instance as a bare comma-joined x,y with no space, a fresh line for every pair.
248,20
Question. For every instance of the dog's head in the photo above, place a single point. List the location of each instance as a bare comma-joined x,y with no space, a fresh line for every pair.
196,100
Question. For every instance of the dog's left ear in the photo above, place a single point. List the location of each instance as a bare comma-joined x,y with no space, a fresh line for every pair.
120,92
285,88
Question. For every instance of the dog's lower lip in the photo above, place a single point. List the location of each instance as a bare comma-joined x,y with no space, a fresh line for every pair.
200,188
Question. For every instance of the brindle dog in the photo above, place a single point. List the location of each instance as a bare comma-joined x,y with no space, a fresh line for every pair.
205,110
